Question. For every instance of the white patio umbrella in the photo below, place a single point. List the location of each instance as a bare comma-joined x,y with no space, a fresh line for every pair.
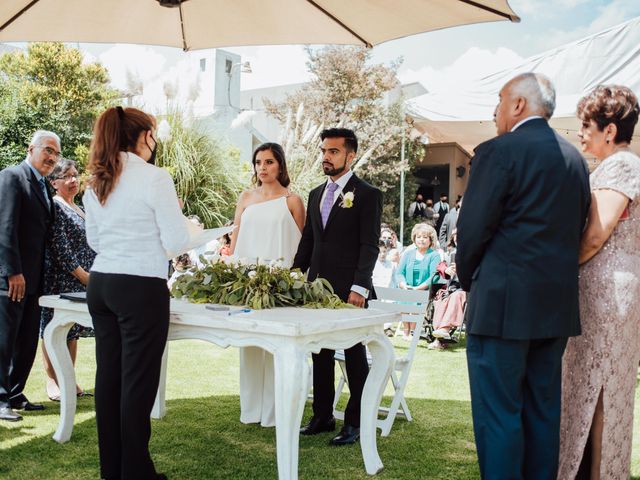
195,24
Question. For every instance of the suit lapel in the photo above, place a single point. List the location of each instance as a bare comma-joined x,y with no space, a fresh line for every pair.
349,187
35,185
315,206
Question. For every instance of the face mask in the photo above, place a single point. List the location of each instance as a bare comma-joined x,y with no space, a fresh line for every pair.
152,159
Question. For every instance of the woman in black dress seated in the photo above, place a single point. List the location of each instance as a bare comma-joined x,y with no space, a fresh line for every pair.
68,259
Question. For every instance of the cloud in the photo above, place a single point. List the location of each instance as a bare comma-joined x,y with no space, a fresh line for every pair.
608,16
475,63
541,7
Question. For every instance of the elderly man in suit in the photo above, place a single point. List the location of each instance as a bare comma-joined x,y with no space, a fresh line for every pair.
340,243
25,216
518,236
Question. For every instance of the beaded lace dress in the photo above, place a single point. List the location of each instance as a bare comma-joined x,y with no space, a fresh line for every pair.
605,357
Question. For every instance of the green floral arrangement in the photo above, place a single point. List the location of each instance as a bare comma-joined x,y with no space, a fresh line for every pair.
227,281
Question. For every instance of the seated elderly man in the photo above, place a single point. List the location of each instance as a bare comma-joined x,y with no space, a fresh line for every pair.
25,217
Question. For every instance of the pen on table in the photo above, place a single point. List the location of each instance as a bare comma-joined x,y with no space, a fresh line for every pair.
242,310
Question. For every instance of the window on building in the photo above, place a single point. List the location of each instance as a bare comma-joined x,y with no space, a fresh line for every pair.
203,64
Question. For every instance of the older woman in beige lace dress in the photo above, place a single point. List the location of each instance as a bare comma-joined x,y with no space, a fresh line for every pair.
600,367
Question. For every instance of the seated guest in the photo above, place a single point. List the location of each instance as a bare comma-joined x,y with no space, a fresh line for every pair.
206,250
384,270
418,265
384,274
448,307
68,259
181,266
389,239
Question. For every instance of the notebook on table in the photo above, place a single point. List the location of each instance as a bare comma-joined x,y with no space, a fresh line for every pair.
75,297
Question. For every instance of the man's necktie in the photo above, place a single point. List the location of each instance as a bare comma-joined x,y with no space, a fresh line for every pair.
328,202
43,187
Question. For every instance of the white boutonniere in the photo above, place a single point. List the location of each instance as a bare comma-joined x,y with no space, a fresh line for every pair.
347,200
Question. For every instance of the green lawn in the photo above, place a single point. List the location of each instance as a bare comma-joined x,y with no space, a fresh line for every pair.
201,437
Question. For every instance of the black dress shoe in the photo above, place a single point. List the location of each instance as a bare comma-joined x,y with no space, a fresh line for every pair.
347,436
317,425
7,413
27,406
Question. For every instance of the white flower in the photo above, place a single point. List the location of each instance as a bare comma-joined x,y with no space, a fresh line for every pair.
229,260
251,274
347,200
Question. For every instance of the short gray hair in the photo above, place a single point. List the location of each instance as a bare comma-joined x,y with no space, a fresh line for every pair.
62,167
39,135
538,90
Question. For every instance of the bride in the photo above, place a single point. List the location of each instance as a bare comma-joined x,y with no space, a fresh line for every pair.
270,221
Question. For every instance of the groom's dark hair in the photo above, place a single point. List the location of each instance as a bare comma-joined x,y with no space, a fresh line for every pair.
350,139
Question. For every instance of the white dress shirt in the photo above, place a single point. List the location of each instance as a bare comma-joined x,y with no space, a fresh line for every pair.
521,122
341,182
140,227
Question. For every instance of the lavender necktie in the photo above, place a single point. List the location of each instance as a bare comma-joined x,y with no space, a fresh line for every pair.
328,202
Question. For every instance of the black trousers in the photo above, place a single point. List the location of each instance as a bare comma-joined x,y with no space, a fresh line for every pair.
324,382
19,326
131,320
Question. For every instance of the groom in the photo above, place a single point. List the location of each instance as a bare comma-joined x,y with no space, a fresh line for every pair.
340,243
518,236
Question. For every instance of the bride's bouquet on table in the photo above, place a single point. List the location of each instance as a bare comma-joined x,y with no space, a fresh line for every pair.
255,284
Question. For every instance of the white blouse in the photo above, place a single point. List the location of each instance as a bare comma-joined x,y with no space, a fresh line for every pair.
140,227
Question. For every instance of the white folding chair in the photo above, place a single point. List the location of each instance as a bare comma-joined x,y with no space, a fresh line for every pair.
411,304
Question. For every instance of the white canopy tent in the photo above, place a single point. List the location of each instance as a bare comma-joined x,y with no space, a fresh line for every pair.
466,117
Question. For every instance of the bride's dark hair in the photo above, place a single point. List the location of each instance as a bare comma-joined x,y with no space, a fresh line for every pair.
278,154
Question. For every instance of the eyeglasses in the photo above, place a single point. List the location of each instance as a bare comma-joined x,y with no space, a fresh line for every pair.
50,151
67,177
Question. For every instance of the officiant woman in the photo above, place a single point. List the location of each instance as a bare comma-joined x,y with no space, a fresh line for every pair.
133,221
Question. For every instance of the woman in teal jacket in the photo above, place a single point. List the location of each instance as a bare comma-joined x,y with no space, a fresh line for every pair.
418,265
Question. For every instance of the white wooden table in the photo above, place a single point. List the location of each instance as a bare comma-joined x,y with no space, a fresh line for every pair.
290,334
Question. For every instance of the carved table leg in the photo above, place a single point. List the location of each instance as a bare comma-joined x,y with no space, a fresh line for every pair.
291,385
159,409
382,357
55,340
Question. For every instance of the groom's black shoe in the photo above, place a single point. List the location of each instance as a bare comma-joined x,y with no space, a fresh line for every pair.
27,406
347,436
318,425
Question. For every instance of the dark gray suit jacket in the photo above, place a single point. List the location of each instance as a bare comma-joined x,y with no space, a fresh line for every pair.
25,219
519,232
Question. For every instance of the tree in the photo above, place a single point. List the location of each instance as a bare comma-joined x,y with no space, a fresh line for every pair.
207,176
347,91
50,88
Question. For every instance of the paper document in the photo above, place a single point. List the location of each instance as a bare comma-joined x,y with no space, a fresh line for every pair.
199,237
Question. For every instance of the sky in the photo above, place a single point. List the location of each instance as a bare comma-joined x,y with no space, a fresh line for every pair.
436,59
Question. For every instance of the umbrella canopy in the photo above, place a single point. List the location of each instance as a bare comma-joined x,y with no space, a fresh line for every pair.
195,24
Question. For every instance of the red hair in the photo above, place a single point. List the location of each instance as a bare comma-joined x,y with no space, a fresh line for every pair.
116,130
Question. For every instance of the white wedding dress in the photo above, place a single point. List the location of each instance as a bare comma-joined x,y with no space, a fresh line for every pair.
267,232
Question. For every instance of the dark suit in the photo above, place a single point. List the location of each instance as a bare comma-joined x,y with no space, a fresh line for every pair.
344,252
518,238
25,218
